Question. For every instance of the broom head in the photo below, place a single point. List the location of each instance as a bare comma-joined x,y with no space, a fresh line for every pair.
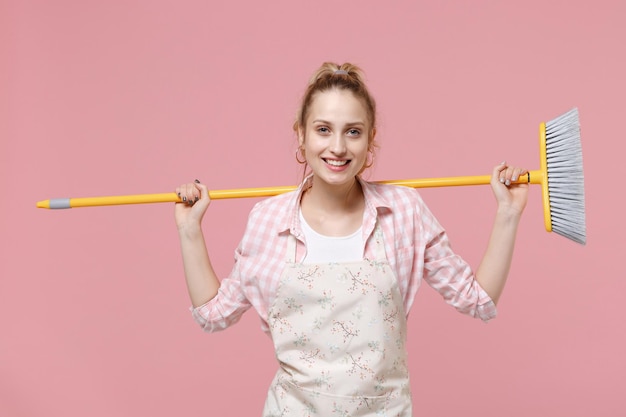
563,185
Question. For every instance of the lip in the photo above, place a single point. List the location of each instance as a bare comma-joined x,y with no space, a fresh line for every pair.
336,168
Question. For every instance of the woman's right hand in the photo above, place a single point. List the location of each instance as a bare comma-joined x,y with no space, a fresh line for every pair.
195,201
202,282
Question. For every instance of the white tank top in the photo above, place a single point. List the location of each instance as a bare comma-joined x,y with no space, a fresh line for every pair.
322,248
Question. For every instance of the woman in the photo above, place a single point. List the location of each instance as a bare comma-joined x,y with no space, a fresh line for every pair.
333,267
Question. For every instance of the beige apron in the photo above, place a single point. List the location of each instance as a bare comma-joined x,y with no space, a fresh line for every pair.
339,331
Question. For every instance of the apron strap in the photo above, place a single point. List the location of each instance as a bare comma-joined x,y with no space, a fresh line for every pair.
291,255
379,242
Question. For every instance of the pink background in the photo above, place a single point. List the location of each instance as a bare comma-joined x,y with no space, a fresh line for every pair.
125,97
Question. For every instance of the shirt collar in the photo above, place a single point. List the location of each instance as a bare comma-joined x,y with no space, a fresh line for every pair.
373,202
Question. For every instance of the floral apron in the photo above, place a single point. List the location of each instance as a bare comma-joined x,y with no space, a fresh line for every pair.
339,332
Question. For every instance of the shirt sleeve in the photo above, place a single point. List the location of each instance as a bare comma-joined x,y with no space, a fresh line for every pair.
226,308
450,275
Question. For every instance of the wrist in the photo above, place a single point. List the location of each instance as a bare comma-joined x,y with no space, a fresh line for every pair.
508,214
190,230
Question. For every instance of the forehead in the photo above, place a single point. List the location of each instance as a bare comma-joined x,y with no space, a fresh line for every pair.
337,105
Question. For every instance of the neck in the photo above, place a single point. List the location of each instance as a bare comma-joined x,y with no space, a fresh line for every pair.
333,198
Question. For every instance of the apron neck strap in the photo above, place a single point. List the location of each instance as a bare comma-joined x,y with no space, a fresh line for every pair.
379,243
292,248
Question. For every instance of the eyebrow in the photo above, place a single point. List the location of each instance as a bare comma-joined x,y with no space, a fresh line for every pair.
326,122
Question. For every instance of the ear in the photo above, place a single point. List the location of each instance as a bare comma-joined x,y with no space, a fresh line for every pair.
372,137
300,136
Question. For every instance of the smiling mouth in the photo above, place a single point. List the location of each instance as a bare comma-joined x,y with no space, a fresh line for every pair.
336,163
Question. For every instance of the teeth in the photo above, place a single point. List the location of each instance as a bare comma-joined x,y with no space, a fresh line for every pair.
336,163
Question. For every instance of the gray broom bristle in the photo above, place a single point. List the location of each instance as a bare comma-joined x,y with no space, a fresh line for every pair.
565,177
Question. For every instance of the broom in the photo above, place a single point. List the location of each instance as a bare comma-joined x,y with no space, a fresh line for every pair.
560,176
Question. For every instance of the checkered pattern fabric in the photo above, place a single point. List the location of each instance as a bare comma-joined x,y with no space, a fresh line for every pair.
416,246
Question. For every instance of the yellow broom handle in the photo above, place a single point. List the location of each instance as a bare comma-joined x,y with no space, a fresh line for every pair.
535,177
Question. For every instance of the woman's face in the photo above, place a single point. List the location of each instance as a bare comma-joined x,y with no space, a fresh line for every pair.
335,139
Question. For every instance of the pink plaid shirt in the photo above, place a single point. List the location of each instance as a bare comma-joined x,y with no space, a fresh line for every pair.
416,245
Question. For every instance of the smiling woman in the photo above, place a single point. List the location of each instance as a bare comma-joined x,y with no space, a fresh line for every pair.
337,133
347,79
333,267
335,142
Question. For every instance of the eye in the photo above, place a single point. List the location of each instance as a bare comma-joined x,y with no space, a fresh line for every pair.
323,129
354,132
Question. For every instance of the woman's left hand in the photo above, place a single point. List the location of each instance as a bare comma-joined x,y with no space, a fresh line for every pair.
511,193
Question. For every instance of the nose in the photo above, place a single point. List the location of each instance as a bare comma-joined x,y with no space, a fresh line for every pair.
338,144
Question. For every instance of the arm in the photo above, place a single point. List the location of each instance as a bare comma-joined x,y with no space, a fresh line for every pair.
511,199
202,282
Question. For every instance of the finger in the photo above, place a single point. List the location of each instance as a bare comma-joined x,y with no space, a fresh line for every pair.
506,174
517,172
499,172
200,190
203,190
193,193
181,192
511,174
196,184
188,193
